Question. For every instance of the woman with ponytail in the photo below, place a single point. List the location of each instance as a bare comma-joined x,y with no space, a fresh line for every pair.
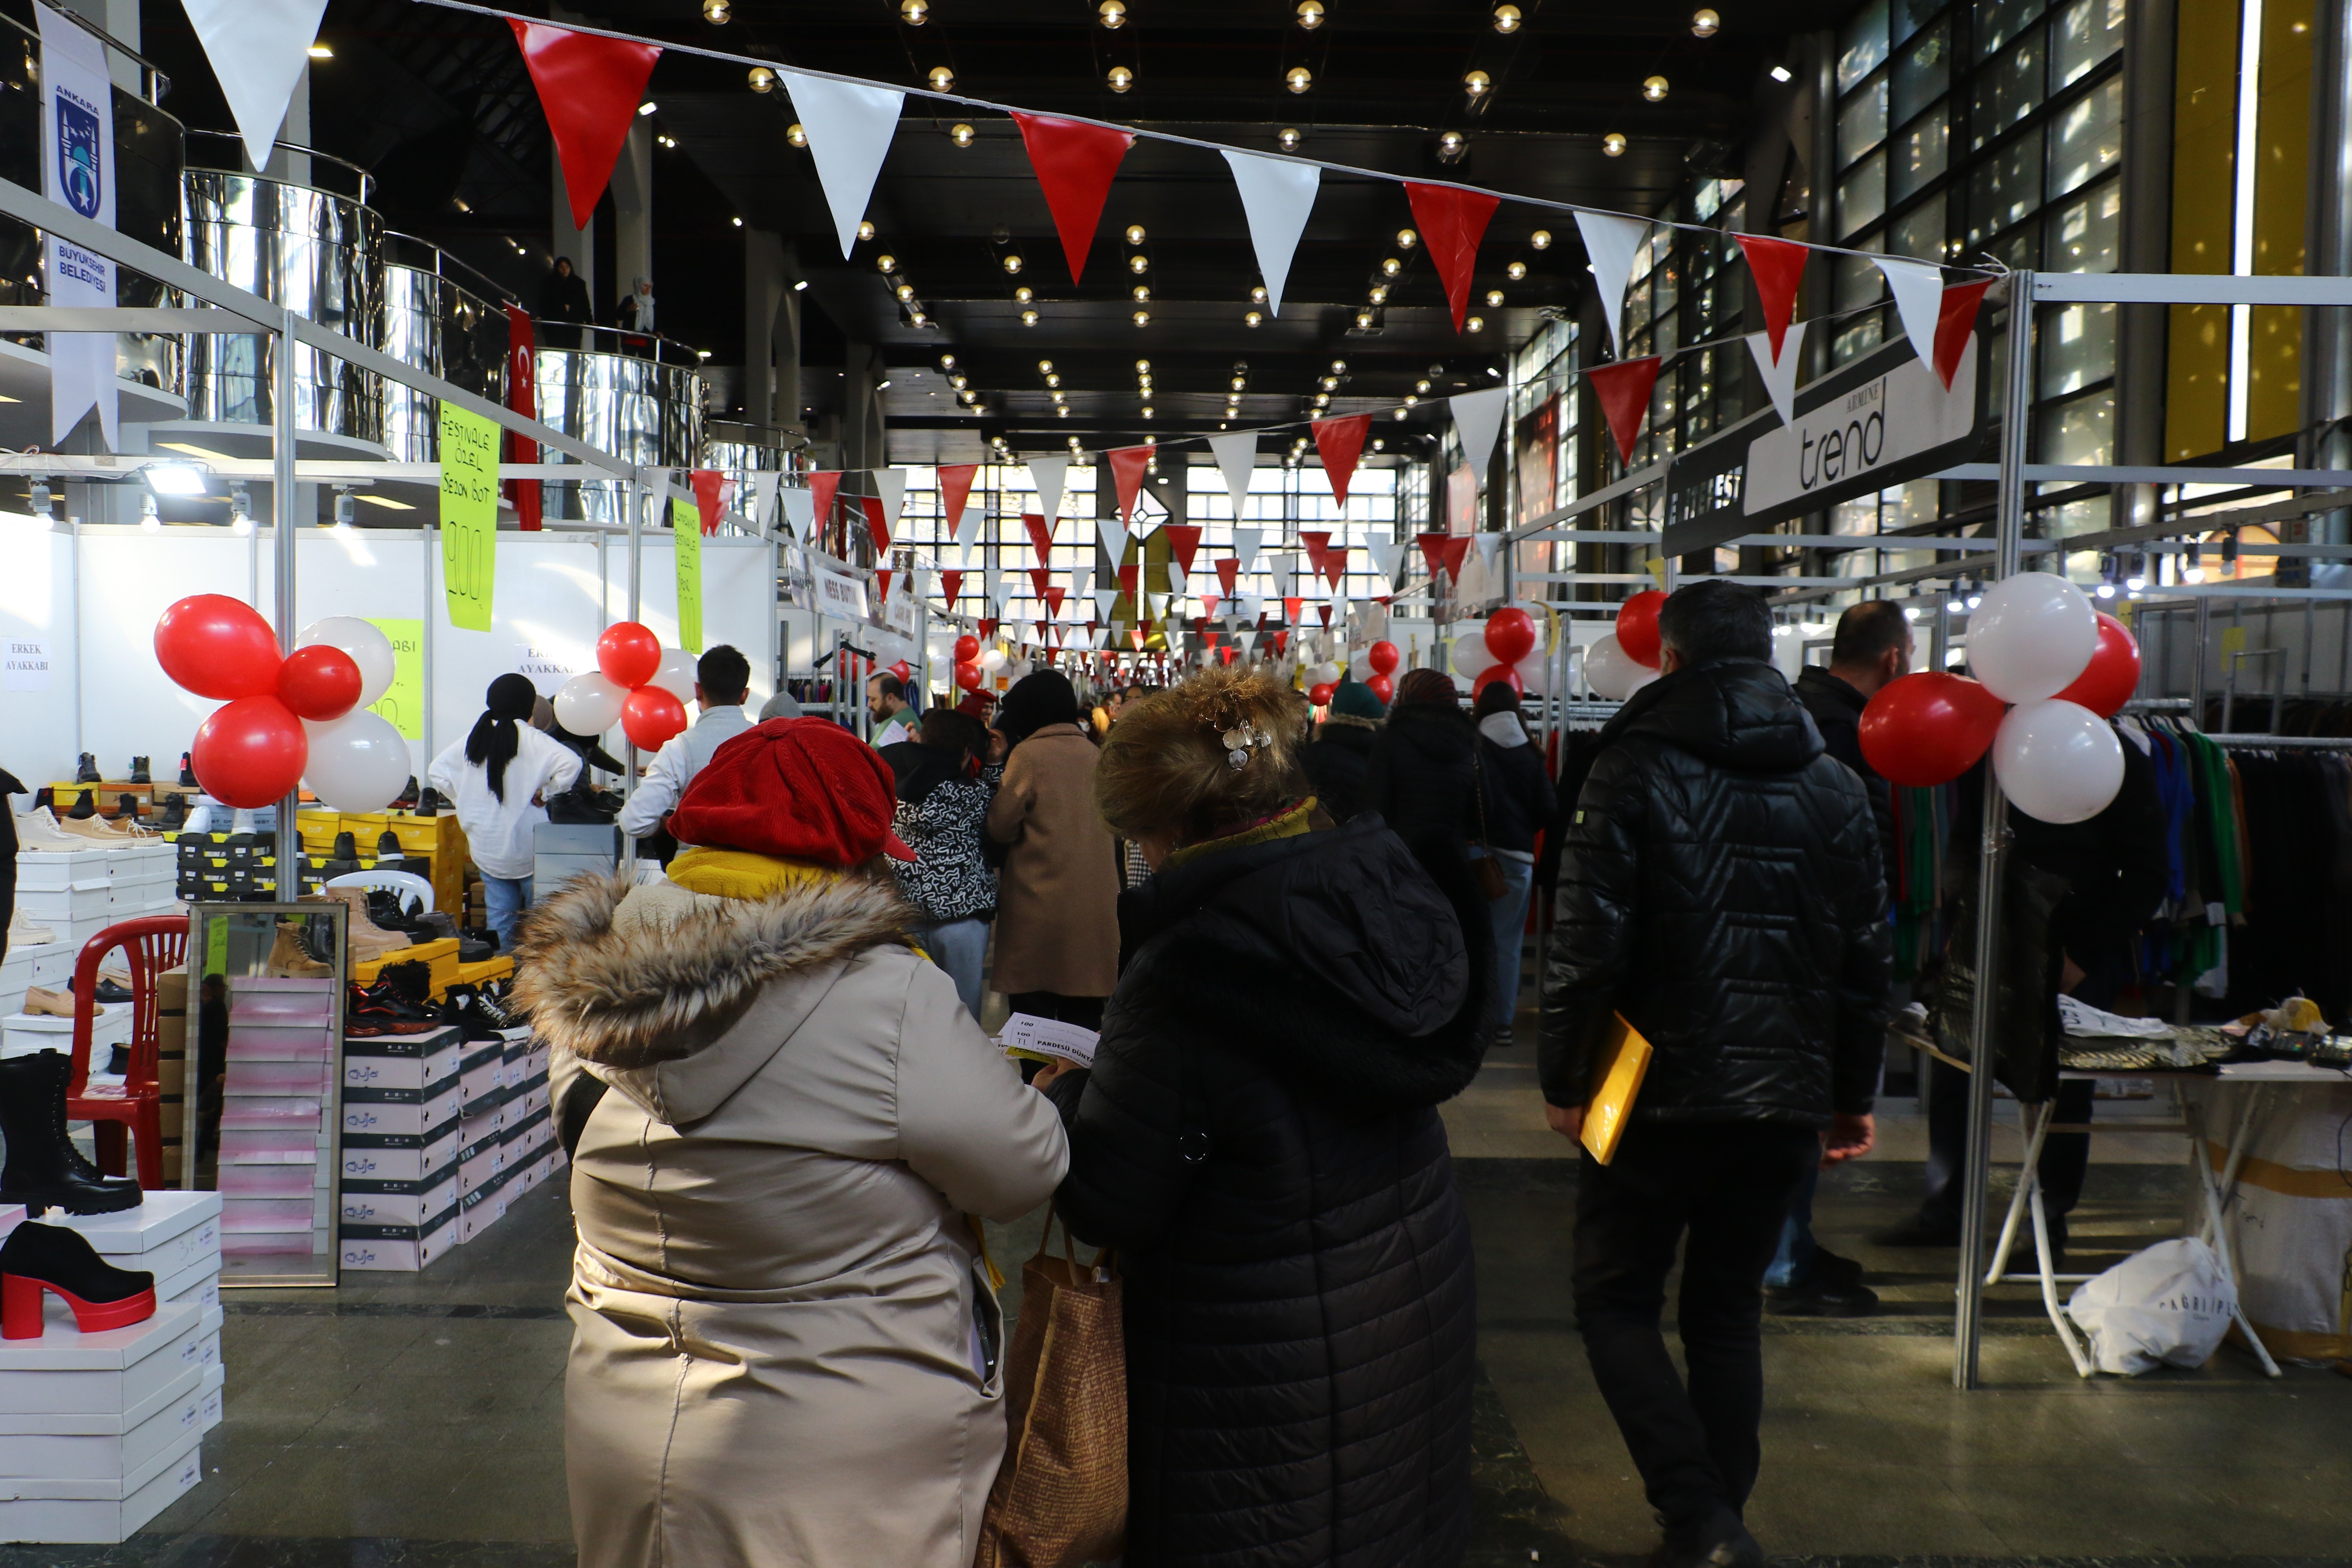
498,778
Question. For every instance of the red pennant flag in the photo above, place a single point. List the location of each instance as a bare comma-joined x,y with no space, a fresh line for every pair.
1227,570
523,397
1335,563
1038,578
882,575
952,585
1623,390
590,87
706,483
1209,637
1128,576
1054,596
876,523
1778,267
825,484
1452,222
1184,539
1208,606
1339,442
1136,637
1432,550
1281,641
1453,552
987,628
955,490
1318,544
1292,608
1325,611
1041,534
1956,317
1075,163
1126,466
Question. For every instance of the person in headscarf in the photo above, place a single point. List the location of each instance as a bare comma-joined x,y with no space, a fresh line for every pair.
498,779
943,795
1057,897
634,313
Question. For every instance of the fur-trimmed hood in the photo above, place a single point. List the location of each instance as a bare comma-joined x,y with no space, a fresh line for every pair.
638,980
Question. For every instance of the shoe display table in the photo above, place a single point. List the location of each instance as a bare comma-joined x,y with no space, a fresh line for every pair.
99,1433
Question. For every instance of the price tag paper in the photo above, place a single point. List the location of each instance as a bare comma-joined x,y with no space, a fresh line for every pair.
470,515
686,532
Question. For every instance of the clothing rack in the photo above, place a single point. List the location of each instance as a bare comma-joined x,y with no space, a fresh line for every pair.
2283,743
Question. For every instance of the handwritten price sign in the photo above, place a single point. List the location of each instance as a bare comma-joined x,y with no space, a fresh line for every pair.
470,515
686,529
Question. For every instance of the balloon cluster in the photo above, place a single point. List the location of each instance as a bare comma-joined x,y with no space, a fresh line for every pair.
286,719
971,665
1626,660
2050,671
638,684
1501,648
1374,668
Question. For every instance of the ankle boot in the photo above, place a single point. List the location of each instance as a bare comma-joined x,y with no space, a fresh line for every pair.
388,856
175,814
288,961
44,1170
37,1258
85,771
406,797
188,773
430,803
126,808
139,770
85,805
345,858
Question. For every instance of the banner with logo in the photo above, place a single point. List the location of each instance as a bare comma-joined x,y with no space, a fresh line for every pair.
77,171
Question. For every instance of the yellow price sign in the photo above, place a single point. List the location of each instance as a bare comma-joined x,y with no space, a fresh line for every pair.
470,515
686,529
402,701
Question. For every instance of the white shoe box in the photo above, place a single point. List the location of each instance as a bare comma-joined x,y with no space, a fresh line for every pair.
215,1380
406,1255
402,1062
412,1111
197,1285
65,1371
400,1157
64,1512
52,907
21,1034
406,1204
71,1447
172,1231
44,870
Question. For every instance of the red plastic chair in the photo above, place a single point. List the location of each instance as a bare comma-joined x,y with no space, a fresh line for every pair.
155,943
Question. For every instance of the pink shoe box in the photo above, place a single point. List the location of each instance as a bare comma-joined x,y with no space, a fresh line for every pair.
275,1043
270,1077
272,1113
270,1146
239,1182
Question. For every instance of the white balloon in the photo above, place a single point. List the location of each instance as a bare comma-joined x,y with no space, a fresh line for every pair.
1534,671
2031,636
1471,655
589,704
2059,761
1325,671
675,675
1610,672
358,762
369,648
1359,666
992,659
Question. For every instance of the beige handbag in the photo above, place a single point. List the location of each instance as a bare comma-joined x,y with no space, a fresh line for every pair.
1060,1498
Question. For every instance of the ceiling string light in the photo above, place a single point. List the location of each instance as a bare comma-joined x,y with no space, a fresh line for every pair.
796,133
961,135
1705,24
1654,89
1298,79
1507,18
1613,145
1119,78
1112,13
762,79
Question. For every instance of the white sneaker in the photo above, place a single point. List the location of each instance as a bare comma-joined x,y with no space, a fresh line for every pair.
23,932
38,830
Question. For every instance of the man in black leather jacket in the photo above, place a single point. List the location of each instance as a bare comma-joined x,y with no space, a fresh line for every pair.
1719,889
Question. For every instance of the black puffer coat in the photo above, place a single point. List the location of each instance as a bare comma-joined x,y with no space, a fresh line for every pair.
1719,886
1259,1139
1836,711
1339,765
1420,778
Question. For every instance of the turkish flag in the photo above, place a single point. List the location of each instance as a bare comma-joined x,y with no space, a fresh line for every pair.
1075,164
1623,391
590,87
1452,221
1339,442
523,397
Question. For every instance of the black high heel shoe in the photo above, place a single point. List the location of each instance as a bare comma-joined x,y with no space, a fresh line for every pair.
37,1258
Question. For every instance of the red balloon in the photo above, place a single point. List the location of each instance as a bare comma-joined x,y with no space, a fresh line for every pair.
628,654
217,646
1320,693
250,751
904,671
1510,634
1379,684
1637,627
1502,672
320,682
1383,657
651,715
968,677
1928,728
967,649
2107,682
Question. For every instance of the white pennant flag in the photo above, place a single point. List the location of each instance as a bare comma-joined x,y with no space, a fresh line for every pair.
1477,418
765,484
849,127
1113,534
77,171
1918,288
967,528
1779,380
890,484
1245,541
1277,196
800,513
1610,241
1478,584
1048,474
1179,580
1104,599
992,585
1236,455
664,485
1081,578
257,50
1389,560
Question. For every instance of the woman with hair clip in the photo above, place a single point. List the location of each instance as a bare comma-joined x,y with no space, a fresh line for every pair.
1258,1139
497,778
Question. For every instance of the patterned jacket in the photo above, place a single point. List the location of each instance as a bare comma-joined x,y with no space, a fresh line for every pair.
947,881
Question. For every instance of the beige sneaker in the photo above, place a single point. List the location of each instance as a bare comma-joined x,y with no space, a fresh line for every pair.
105,833
23,932
38,830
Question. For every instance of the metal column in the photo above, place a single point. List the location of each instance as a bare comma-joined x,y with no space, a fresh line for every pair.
1991,859
289,859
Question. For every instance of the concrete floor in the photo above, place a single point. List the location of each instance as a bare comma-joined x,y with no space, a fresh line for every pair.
416,1422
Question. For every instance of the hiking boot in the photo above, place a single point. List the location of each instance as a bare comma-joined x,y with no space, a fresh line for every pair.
188,773
289,961
86,770
175,814
126,808
139,772
430,803
43,1169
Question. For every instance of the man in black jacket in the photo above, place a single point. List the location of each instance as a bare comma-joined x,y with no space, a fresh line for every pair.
1873,647
1720,891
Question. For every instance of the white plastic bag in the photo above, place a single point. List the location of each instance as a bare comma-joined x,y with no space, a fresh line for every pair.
2166,1305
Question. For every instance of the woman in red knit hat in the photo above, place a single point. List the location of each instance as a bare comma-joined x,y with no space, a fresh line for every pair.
785,1345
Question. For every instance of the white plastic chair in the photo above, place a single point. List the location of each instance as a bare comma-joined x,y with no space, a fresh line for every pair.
404,883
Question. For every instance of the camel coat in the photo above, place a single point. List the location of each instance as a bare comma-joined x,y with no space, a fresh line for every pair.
785,1343
1057,897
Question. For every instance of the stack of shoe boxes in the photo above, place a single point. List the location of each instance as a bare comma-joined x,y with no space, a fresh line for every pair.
276,1135
98,1433
399,1198
509,1134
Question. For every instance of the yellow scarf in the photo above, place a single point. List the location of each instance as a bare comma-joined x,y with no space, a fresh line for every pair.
739,874
1289,825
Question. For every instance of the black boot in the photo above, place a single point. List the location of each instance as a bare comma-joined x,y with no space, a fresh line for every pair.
388,857
86,772
139,770
175,814
188,773
126,808
44,1170
37,1258
430,803
84,806
344,860
406,797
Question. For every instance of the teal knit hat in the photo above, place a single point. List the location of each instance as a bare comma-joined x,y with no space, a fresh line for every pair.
1354,699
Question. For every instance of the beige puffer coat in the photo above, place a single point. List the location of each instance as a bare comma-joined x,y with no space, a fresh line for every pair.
781,1318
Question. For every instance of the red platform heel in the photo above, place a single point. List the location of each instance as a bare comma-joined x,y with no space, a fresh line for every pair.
37,1258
